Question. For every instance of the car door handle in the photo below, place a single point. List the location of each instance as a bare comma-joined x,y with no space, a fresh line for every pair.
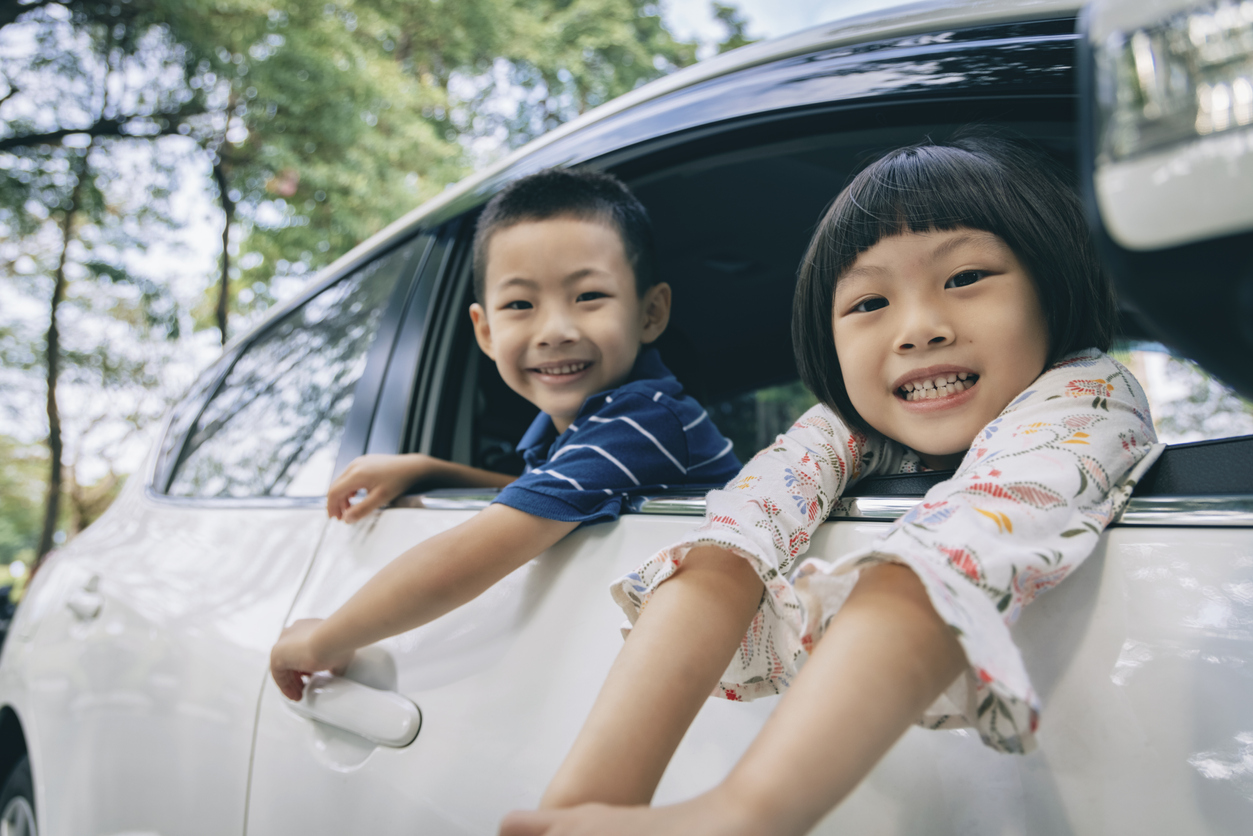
382,717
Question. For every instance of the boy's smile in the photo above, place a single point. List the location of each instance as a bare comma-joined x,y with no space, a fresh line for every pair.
561,316
936,333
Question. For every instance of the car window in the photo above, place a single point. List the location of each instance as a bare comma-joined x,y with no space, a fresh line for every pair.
1188,403
752,419
274,426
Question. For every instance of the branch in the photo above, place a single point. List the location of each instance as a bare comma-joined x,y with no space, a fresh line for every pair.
13,91
10,10
101,127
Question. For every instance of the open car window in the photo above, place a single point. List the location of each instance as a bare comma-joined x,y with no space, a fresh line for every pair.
731,229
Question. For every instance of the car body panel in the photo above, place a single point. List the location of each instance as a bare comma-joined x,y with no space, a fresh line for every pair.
141,718
1156,624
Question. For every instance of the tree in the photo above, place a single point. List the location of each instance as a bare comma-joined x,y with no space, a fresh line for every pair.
735,23
314,125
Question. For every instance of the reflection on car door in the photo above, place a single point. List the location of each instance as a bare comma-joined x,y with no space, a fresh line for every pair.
503,684
148,638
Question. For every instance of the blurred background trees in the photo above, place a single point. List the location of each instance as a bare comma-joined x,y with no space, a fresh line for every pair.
309,126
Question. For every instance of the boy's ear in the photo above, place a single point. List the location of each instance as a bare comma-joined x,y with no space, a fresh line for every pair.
482,331
655,308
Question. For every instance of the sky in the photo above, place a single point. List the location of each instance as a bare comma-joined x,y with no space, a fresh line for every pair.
766,18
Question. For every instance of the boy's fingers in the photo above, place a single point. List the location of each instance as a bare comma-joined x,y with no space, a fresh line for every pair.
376,497
291,684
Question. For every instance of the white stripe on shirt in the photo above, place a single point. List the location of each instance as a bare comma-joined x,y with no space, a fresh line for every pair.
725,450
643,432
620,465
563,476
703,416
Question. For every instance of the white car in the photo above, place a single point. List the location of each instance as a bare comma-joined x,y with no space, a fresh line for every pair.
135,695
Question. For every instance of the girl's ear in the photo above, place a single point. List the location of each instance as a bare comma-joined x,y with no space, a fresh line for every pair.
655,310
482,330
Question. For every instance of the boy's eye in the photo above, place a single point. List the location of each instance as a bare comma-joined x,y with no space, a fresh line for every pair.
964,278
590,296
872,304
517,305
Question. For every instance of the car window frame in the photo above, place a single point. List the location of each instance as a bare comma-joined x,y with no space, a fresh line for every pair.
171,451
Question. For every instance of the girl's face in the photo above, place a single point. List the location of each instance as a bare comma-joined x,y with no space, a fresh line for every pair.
936,333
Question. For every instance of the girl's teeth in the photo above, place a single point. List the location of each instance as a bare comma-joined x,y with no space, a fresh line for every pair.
938,388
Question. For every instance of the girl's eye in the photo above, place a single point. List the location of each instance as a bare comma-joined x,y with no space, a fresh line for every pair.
590,296
964,278
518,305
872,304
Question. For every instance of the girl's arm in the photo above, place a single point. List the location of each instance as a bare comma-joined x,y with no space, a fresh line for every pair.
886,656
430,579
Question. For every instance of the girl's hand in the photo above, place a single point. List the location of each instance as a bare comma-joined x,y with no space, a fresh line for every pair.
295,656
383,477
702,816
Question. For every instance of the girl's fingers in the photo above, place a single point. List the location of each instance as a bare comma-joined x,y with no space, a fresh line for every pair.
526,823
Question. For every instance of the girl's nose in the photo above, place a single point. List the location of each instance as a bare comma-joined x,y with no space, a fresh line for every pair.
925,327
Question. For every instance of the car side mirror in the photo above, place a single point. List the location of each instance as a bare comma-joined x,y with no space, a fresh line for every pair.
1166,164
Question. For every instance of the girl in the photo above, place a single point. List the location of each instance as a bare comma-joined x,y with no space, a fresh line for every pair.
950,312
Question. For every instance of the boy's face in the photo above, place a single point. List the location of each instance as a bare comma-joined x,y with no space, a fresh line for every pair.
560,315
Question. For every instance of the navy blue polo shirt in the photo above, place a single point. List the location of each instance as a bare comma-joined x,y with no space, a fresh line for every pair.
645,436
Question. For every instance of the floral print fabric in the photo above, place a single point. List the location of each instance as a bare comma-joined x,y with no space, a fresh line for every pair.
1024,508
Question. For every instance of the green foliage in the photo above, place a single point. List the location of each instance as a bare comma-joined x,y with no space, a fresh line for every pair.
23,477
736,25
313,124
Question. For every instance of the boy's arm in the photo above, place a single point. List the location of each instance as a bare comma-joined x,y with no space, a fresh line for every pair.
430,579
386,477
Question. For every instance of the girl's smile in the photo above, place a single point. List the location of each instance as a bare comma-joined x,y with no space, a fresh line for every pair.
936,333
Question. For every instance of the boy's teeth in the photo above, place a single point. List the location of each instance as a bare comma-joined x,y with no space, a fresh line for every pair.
570,369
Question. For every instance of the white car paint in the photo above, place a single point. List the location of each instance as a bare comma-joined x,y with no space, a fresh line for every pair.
1152,631
145,713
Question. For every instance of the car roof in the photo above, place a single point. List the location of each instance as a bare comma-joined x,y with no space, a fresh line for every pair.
861,24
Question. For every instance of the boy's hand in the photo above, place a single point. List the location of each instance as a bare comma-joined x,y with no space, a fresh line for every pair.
383,477
295,656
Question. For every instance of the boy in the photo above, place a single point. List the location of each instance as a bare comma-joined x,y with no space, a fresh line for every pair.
567,301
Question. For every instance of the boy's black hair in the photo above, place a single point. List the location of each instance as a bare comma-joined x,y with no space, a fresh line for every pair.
578,193
979,182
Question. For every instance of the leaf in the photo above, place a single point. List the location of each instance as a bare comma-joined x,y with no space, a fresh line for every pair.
1074,532
985,705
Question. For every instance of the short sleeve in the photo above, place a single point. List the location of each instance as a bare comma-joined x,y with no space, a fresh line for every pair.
632,445
767,515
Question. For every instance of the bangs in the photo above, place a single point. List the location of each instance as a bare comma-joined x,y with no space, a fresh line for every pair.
974,182
919,189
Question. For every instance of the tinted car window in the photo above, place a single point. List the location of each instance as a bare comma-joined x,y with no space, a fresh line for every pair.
274,426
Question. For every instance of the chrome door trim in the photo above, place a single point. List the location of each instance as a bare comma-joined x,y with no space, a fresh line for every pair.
1175,511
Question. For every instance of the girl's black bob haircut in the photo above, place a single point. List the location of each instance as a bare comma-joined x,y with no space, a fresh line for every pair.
976,182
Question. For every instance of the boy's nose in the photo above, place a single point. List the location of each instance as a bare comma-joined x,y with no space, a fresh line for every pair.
557,327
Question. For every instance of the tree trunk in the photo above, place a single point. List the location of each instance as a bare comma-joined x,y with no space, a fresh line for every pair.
52,505
224,281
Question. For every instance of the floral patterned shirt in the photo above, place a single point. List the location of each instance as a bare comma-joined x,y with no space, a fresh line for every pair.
1024,508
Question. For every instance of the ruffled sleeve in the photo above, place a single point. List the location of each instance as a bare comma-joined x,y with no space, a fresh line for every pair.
1026,506
767,515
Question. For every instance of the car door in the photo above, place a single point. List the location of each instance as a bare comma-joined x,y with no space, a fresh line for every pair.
143,644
